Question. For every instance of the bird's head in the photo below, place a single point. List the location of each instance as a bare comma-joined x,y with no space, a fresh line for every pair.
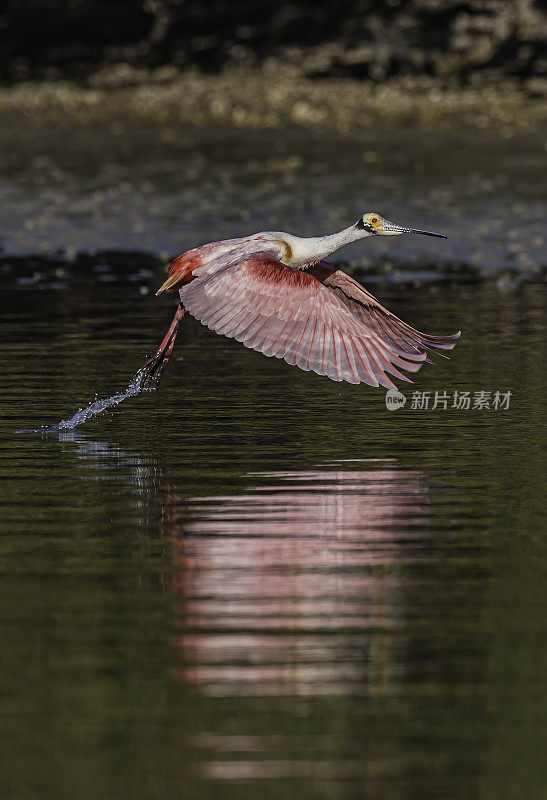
373,223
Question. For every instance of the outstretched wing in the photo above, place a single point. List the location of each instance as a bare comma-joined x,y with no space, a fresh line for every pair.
290,314
366,308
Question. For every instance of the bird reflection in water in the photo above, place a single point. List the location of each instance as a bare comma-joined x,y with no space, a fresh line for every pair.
293,587
288,588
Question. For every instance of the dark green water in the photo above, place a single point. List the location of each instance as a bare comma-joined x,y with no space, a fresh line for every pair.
258,583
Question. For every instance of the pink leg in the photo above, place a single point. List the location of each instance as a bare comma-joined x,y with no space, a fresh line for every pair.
153,367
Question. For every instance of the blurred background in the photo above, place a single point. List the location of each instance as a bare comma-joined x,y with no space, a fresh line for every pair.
476,39
257,582
150,125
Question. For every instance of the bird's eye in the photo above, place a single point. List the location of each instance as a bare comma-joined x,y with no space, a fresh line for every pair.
374,220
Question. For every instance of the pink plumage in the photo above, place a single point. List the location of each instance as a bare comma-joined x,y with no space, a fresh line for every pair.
262,291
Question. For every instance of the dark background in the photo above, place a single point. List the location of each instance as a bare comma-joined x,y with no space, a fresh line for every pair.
457,40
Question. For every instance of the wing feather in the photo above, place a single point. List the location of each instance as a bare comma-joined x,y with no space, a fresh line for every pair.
306,319
401,339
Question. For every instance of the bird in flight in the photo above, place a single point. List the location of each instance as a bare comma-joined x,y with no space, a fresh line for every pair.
274,292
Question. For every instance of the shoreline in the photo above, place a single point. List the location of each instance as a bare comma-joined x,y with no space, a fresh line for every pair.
143,271
276,97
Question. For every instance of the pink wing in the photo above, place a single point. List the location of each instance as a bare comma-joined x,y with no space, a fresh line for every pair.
290,314
366,308
209,257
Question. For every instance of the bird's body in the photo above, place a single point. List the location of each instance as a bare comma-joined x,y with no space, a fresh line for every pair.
273,292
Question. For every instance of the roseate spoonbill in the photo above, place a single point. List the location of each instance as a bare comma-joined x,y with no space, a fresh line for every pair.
273,292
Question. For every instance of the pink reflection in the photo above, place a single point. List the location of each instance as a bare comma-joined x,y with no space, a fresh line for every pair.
292,587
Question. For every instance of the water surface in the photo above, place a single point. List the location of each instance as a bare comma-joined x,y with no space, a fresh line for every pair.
256,582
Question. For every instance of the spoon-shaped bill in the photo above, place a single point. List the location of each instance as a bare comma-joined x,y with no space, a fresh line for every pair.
391,229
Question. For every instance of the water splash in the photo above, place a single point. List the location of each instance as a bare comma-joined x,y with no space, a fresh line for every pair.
136,386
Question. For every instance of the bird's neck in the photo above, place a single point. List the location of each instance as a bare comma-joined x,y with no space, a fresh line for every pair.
304,251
